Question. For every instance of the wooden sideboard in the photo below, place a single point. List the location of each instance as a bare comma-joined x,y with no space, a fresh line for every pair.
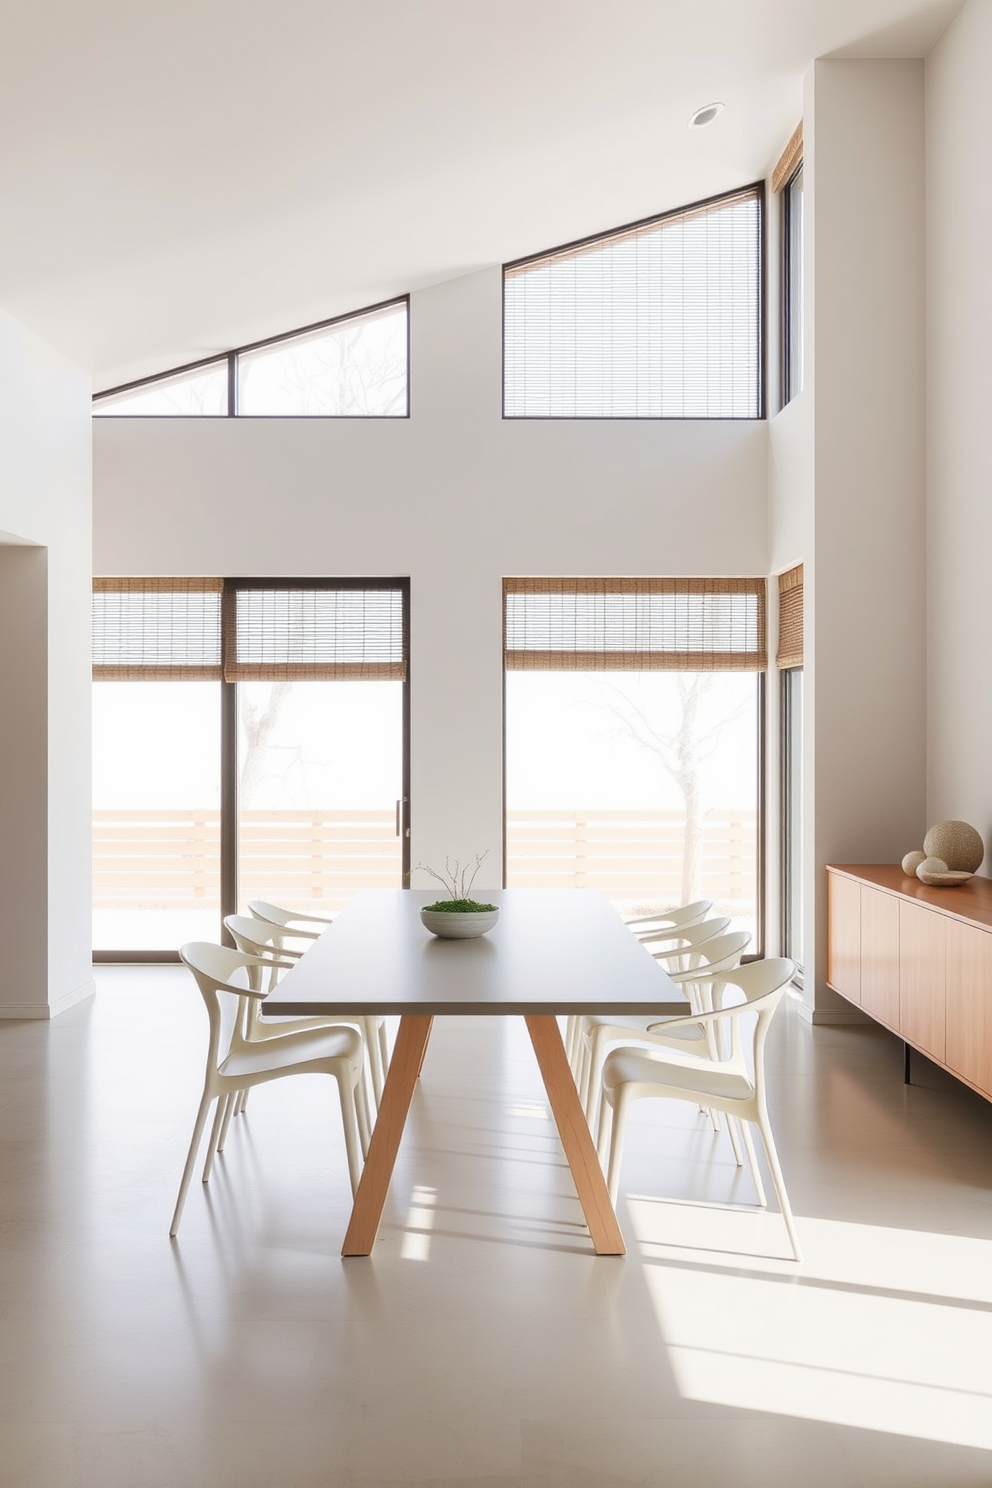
918,960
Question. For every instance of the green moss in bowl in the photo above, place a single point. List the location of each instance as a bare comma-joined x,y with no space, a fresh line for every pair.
459,906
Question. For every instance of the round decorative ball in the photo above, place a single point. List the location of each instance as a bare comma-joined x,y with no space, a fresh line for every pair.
912,861
960,846
931,864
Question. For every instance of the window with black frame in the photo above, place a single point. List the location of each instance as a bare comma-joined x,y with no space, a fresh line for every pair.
354,366
633,747
790,663
787,183
658,319
793,228
250,742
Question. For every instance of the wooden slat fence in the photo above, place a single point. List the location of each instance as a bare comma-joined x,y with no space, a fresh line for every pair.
633,856
172,858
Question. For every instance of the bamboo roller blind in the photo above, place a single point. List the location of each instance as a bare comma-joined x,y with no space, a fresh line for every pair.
319,634
634,624
790,618
789,159
148,630
657,320
201,629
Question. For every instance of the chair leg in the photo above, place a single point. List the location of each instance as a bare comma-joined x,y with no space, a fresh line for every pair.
350,1123
242,1108
572,1024
362,1110
371,1033
779,1182
595,1104
581,1062
201,1121
383,1046
735,1140
752,1162
603,1132
592,1071
223,1103
232,1101
621,1103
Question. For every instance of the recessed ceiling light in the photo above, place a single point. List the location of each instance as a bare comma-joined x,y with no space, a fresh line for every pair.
705,115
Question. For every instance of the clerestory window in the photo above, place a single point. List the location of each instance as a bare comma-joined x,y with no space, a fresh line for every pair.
660,319
356,366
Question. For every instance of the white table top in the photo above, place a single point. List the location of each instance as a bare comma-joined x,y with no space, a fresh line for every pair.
553,951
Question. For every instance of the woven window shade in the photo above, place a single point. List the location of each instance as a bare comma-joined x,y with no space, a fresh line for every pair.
147,630
789,159
691,625
658,320
313,634
790,618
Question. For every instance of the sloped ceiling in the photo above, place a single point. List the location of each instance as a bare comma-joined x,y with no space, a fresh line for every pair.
181,177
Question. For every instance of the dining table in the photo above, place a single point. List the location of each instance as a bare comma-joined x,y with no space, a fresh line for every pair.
552,953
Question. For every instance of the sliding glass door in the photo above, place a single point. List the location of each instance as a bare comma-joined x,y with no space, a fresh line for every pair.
156,814
250,743
320,787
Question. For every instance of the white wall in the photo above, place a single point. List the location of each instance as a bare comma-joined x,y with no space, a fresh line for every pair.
44,669
456,498
848,478
959,515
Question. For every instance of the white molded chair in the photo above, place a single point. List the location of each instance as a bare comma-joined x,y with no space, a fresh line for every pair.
678,939
277,915
261,938
682,914
234,1063
686,968
685,937
724,1083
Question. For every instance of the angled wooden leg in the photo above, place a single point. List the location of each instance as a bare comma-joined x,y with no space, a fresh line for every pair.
576,1138
404,1067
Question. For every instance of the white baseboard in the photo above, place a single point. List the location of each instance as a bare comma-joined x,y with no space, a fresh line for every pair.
43,1011
836,1016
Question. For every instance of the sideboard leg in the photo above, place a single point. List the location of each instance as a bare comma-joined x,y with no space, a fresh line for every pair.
907,1054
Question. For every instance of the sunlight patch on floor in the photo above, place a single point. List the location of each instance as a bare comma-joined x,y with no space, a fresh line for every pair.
419,1223
884,1329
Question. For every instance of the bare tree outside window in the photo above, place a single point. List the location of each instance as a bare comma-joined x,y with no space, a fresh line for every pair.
642,785
681,750
354,369
258,720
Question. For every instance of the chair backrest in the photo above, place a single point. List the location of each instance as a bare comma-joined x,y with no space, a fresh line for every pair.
719,953
259,938
763,985
682,914
262,909
222,976
683,940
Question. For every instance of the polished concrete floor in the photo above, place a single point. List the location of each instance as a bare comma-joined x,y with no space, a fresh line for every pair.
482,1343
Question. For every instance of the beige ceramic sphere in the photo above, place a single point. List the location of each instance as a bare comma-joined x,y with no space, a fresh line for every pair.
912,861
930,865
960,846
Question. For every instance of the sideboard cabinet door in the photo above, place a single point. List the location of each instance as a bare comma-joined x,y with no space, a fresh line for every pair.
880,955
921,978
844,942
969,1004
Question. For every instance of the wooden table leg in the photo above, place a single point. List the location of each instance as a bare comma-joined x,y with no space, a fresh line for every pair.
401,1079
576,1138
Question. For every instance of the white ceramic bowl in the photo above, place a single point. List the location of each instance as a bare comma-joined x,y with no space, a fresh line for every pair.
453,926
